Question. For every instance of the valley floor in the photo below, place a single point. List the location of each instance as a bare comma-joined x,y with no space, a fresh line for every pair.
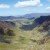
24,41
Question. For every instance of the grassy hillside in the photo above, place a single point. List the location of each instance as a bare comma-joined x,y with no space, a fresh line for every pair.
27,35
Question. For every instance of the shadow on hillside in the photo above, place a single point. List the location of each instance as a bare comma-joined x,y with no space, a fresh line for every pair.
37,22
26,27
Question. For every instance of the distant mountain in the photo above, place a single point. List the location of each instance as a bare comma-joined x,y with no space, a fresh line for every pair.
26,16
9,18
34,15
38,14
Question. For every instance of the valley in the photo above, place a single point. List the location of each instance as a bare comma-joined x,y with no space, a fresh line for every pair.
25,33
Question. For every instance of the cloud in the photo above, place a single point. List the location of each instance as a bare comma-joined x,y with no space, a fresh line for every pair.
40,4
28,3
4,6
47,8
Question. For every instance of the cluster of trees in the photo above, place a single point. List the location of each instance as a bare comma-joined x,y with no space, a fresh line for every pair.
9,32
6,36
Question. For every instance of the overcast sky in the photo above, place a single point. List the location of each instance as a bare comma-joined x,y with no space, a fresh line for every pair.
21,7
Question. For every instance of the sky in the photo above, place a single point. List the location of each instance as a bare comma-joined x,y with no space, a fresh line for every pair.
21,7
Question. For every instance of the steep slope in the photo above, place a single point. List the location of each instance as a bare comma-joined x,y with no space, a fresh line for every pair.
37,22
